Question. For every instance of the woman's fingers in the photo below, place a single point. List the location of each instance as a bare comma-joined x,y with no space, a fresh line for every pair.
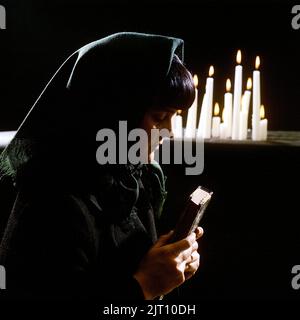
162,240
186,254
193,257
192,266
179,246
184,248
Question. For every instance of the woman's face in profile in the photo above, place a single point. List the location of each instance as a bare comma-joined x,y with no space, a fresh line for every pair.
156,119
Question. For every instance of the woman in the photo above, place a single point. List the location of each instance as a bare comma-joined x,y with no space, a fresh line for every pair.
80,229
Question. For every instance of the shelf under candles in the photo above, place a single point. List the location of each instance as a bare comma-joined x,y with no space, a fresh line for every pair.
288,138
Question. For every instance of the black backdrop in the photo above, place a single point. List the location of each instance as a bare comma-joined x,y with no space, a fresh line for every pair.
41,34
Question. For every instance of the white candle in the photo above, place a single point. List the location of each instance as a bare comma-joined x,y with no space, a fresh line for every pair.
243,126
191,124
223,130
228,109
173,122
238,77
244,114
209,103
216,120
178,125
263,124
256,101
200,131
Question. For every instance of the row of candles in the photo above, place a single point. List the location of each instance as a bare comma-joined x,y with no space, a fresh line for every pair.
235,112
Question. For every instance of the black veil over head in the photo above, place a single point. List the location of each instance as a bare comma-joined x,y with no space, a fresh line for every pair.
111,79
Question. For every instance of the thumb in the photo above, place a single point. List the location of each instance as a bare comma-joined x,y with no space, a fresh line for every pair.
162,240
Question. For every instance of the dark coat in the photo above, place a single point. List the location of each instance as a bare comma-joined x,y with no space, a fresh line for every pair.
60,244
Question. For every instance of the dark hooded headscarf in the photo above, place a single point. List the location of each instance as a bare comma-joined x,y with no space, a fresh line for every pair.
111,79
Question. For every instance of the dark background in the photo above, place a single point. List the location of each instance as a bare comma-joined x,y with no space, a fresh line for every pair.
251,237
251,227
41,34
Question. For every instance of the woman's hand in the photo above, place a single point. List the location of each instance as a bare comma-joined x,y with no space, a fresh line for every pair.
193,263
167,266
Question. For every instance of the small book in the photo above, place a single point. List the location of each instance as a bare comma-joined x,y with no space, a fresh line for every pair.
192,214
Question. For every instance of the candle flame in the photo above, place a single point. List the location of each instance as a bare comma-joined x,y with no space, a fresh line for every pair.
216,109
249,84
228,85
262,111
179,112
257,62
195,78
239,57
211,71
223,114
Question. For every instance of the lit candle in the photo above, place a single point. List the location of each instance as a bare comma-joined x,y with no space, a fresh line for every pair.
238,77
256,101
200,131
216,120
223,126
247,96
228,109
178,125
243,125
173,122
191,124
244,113
209,103
263,124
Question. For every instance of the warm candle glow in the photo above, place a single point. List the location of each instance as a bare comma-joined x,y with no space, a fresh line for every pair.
179,112
195,78
257,62
223,114
239,57
216,109
228,85
249,84
211,71
262,111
